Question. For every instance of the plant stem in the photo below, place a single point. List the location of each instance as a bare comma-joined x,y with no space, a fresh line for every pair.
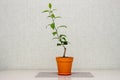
64,54
55,28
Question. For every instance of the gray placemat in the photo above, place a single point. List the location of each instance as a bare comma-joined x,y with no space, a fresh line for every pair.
54,74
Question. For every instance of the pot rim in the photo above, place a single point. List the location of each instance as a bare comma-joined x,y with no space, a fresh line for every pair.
64,57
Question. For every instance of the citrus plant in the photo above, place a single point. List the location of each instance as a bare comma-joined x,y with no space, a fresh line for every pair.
62,38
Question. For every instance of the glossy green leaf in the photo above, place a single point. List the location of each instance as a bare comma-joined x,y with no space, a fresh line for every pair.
52,26
45,11
62,35
52,16
64,38
65,43
50,5
54,33
58,44
62,26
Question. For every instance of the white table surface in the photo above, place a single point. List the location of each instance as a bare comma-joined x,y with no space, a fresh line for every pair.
30,75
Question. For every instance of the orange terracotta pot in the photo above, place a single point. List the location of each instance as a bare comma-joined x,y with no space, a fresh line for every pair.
64,65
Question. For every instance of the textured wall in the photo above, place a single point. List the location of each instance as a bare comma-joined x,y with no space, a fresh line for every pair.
93,30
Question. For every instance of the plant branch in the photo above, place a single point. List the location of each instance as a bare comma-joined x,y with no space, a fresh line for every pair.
61,38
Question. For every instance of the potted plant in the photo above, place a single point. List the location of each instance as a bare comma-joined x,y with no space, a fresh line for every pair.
64,63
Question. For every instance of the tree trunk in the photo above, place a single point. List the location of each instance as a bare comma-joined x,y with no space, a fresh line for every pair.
64,54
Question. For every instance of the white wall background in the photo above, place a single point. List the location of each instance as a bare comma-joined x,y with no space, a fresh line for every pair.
93,30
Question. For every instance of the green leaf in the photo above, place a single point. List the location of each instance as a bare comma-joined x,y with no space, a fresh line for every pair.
52,26
64,38
54,33
60,40
62,35
52,16
65,43
64,26
58,44
45,11
50,5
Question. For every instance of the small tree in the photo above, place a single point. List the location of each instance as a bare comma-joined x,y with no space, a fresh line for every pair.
62,38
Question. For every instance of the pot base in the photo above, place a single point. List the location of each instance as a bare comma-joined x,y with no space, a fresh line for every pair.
64,74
